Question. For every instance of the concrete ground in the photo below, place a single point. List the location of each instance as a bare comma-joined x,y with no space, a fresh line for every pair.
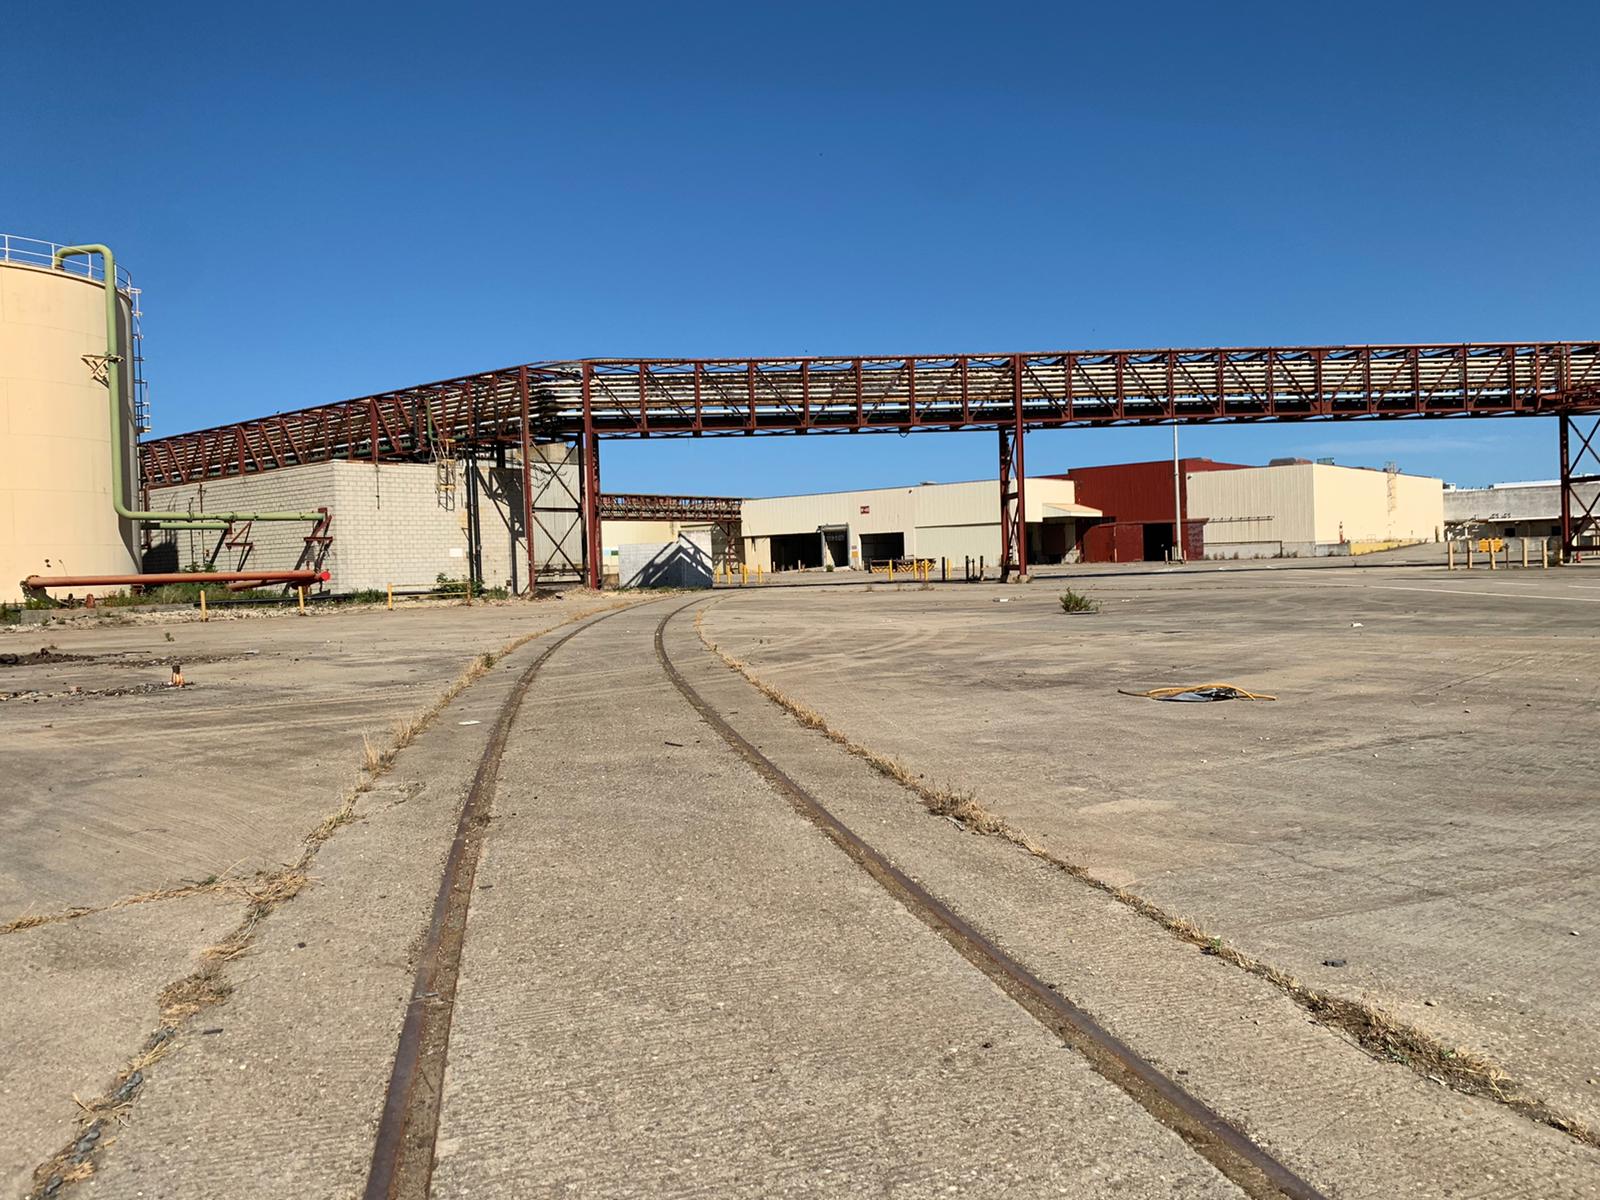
124,788
676,987
673,985
1416,806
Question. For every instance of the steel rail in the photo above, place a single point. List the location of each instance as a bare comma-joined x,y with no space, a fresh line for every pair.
403,1151
1224,1145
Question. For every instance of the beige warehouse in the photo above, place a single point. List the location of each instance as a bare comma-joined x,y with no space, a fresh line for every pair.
952,521
1309,509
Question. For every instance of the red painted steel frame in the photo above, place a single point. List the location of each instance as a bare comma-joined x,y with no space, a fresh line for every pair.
589,461
1013,486
715,397
1580,464
590,399
527,479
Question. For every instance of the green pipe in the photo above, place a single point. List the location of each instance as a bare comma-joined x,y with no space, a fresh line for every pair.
178,520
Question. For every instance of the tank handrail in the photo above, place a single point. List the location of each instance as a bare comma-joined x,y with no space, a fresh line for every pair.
35,252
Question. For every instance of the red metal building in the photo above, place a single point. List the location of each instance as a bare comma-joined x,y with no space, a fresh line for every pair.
1137,501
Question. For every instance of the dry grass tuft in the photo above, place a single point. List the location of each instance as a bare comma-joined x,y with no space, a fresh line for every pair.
374,760
1373,1030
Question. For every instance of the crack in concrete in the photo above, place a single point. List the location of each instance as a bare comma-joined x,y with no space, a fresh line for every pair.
1375,1032
182,999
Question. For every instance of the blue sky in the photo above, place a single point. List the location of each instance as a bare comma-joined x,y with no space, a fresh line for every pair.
325,201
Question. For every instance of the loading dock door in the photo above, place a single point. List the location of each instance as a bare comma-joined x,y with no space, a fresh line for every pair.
1157,542
792,551
877,547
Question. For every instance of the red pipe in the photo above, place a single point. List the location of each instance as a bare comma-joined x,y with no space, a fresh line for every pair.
40,582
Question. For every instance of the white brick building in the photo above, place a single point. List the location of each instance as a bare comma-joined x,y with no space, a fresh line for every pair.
392,523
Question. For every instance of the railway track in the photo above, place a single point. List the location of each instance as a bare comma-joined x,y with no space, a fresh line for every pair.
403,1154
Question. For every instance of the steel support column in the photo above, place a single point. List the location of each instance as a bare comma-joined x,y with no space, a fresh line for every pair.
1013,485
590,490
1580,468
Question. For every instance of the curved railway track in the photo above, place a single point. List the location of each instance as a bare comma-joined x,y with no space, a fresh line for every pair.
403,1154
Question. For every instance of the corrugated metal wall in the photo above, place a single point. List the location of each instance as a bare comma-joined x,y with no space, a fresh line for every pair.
946,520
1137,492
1258,504
1303,506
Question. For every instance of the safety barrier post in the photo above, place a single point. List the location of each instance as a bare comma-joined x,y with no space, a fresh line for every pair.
891,570
1544,553
1524,552
980,568
1450,555
744,574
203,616
391,597
302,591
1469,554
944,570
1491,556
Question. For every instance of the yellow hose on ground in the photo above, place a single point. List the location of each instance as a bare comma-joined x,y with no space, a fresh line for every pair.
1158,693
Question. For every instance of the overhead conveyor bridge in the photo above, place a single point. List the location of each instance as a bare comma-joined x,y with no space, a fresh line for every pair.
584,401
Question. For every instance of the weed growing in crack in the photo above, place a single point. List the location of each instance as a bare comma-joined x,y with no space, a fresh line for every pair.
1375,1031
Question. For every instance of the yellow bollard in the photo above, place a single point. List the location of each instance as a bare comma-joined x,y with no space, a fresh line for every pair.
1524,551
302,591
203,616
891,570
744,574
1544,553
391,597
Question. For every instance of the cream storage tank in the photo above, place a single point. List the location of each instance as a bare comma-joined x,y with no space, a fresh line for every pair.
56,442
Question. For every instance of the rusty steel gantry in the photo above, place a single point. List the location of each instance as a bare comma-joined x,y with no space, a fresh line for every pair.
581,402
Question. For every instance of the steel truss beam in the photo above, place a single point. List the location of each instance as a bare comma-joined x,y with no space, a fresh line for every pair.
629,506
584,401
717,397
